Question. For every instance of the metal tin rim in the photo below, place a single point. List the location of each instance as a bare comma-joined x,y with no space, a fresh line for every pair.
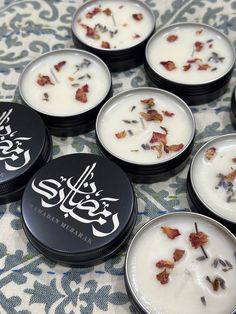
192,24
153,221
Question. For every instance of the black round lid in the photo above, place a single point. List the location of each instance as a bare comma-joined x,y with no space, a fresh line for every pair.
233,103
78,209
24,146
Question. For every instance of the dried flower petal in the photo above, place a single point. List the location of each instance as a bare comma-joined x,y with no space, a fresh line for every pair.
163,277
203,67
231,176
172,38
195,60
107,11
137,16
168,65
171,233
70,78
157,148
199,31
198,239
90,32
91,14
44,80
59,65
105,44
121,134
210,153
168,114
149,102
175,147
164,263
198,46
152,115
186,67
158,137
136,36
81,93
234,160
178,254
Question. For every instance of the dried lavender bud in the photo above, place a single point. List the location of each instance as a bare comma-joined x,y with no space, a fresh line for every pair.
146,146
222,262
130,132
203,300
228,263
215,263
201,258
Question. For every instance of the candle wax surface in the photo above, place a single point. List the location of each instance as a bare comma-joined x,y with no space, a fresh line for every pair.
124,114
118,27
187,280
59,98
199,54
209,177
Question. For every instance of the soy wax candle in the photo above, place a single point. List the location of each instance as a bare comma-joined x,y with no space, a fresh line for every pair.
117,31
193,60
67,87
212,180
149,132
175,265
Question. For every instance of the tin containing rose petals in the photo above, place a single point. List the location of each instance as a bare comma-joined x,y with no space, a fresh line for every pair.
147,131
194,61
66,87
117,31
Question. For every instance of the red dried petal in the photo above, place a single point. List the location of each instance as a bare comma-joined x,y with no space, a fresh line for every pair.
163,277
107,11
91,14
194,60
121,134
175,147
158,137
59,65
171,233
231,176
198,45
152,115
203,67
172,38
81,94
186,67
85,88
149,102
137,16
105,44
210,153
198,239
157,148
164,263
90,32
168,114
168,65
234,160
44,80
216,284
178,254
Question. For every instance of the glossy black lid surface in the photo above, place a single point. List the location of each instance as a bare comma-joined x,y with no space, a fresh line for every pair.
77,207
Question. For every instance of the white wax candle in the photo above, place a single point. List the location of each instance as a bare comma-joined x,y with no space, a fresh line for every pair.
196,53
124,116
116,24
76,86
187,290
214,179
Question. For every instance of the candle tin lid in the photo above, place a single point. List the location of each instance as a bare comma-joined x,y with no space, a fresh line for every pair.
233,106
117,31
24,147
211,182
79,209
66,87
193,60
142,130
185,288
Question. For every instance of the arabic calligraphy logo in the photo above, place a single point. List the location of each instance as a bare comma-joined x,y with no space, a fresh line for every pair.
11,146
80,200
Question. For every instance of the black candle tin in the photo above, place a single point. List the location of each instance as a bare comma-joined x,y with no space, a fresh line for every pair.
155,171
233,107
197,201
63,124
115,58
136,299
79,210
192,93
25,146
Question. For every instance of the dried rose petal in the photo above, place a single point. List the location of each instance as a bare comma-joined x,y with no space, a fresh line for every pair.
137,16
168,65
175,147
157,148
163,277
90,32
59,65
107,11
231,176
198,46
186,67
194,60
216,284
198,239
234,160
178,254
81,94
105,44
91,14
203,67
121,134
152,115
70,78
168,114
210,153
158,137
172,38
149,102
171,233
164,263
44,80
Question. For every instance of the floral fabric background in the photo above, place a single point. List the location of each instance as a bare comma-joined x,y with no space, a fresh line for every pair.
29,283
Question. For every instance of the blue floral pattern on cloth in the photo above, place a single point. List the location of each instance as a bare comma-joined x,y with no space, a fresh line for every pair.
29,283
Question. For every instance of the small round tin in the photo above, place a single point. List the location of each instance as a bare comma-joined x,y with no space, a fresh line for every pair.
148,132
211,183
25,146
233,107
166,272
194,61
66,87
117,31
79,210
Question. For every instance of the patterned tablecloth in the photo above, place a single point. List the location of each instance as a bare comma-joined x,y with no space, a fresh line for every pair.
29,283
